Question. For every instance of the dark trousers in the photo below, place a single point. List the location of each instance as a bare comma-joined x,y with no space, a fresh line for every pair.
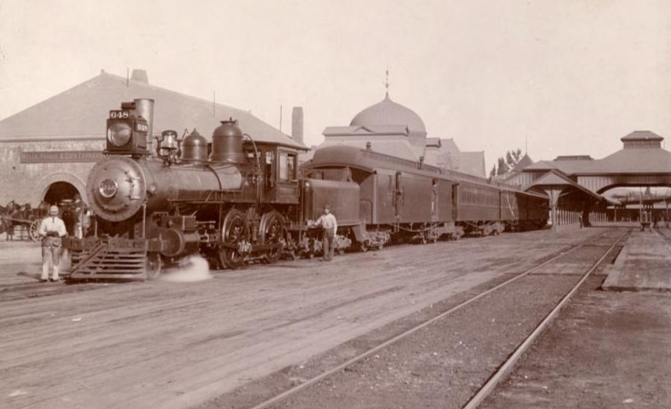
328,244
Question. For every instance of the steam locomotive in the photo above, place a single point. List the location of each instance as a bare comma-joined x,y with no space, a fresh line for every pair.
238,200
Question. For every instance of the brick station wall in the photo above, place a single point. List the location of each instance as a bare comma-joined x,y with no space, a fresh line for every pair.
28,168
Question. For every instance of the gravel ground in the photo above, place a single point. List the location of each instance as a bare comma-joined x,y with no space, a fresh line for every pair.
606,350
442,365
246,335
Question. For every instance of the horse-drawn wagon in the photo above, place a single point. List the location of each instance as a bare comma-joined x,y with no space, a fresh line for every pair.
22,221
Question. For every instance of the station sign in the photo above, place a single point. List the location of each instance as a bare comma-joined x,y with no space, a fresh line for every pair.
61,156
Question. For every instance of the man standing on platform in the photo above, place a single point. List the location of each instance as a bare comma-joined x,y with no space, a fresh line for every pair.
330,224
52,230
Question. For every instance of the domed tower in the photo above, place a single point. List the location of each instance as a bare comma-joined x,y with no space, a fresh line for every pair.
389,113
386,127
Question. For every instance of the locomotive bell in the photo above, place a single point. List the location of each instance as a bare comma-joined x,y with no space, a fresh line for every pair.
194,148
227,143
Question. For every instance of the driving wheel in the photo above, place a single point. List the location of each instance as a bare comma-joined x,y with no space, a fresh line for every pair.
273,233
233,233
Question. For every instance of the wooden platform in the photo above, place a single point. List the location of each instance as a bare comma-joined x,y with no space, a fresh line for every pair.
643,265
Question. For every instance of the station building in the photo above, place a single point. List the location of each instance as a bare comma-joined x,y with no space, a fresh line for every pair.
576,183
49,148
392,129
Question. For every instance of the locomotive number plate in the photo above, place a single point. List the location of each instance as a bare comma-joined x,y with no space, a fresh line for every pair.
118,114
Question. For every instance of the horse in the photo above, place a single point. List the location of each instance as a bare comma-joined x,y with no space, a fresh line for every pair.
15,215
8,224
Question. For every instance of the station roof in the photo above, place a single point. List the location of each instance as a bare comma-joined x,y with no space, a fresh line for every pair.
556,180
451,157
473,163
642,135
642,154
523,163
639,160
80,112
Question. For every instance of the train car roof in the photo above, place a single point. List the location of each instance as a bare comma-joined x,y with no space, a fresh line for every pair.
371,161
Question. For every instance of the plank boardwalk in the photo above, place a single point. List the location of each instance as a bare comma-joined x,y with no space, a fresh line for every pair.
175,345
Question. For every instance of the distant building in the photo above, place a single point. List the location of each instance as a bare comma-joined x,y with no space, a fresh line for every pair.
390,128
641,161
449,156
49,148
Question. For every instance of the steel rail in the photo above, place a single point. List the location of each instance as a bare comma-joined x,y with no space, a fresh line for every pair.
292,391
508,365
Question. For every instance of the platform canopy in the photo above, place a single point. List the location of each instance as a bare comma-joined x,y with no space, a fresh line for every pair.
555,180
641,162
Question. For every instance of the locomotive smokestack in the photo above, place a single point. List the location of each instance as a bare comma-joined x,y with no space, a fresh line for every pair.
145,108
297,124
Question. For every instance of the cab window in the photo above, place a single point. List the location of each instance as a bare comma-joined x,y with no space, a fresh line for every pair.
287,167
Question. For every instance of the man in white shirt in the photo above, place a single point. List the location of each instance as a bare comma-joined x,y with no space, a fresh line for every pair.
330,224
52,230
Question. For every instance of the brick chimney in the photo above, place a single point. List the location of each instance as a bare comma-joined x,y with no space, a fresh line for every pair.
297,124
140,76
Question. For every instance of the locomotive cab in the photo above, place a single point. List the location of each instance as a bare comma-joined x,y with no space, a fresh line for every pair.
279,166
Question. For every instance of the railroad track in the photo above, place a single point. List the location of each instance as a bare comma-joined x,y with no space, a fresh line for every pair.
589,255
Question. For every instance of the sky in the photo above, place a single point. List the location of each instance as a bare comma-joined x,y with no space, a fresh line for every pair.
548,77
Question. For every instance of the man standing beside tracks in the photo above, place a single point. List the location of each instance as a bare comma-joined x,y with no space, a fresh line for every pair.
52,230
330,224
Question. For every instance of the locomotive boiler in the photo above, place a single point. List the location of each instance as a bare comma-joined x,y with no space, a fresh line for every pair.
231,201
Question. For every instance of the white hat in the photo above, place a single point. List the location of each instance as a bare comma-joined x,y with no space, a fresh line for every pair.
53,210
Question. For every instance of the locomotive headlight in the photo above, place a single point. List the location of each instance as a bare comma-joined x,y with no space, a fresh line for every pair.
108,188
119,133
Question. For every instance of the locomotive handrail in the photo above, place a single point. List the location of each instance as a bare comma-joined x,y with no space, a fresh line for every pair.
256,152
257,169
216,175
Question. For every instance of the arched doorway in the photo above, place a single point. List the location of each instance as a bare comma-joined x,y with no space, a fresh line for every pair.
67,198
59,192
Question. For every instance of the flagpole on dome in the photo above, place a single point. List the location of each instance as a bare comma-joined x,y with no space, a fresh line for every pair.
386,85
